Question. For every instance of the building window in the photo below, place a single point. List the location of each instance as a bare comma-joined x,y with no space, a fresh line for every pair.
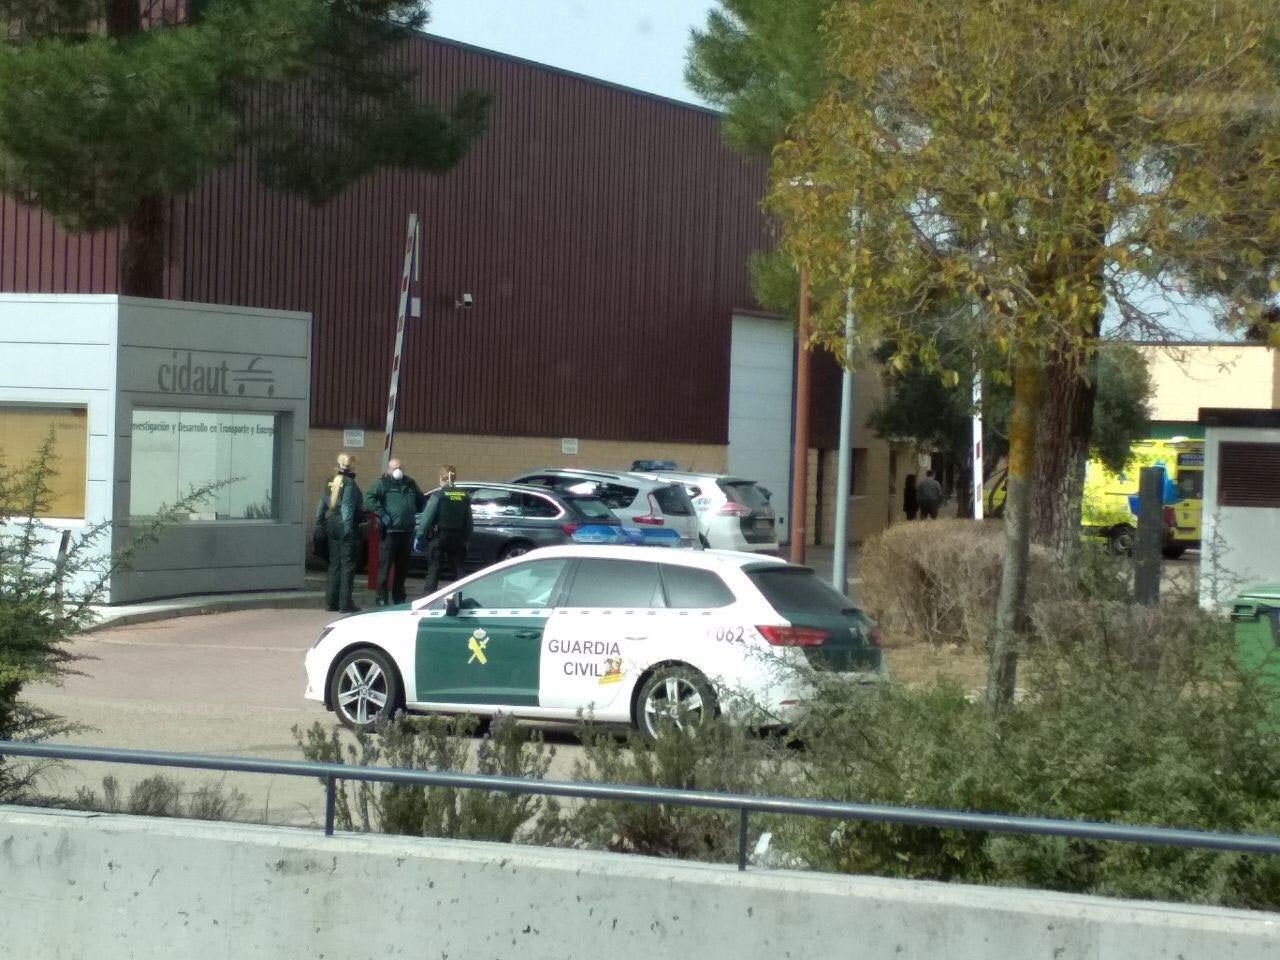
858,479
1249,475
177,451
24,431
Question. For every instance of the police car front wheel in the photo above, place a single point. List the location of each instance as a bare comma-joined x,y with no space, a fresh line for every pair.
365,688
674,698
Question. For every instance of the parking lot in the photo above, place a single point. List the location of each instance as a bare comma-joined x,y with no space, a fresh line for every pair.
228,683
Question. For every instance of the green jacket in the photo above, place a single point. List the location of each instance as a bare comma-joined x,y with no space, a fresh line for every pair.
346,514
395,503
460,510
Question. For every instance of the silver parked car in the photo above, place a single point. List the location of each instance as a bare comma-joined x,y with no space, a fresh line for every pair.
734,513
639,502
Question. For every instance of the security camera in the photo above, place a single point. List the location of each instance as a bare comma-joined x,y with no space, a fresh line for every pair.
466,301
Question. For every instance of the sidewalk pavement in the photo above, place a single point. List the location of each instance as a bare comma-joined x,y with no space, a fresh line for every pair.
311,596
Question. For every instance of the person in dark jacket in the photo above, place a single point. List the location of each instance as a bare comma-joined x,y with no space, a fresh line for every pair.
910,505
339,511
395,499
929,493
445,527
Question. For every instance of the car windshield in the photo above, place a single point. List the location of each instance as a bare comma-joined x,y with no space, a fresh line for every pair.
792,590
1191,485
593,508
746,492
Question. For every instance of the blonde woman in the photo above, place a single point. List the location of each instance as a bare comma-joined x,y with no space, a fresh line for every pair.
339,511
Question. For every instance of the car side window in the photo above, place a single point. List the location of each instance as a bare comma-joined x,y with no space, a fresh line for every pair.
689,588
494,504
526,586
615,583
616,495
541,480
541,508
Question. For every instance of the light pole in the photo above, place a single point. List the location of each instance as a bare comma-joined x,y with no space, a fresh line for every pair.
840,562
844,468
800,438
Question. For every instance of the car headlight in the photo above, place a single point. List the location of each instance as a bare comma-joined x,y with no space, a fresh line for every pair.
323,633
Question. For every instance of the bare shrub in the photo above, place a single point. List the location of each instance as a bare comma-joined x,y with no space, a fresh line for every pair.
937,581
163,796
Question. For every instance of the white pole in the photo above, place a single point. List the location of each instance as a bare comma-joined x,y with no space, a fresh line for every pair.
840,562
406,284
978,493
844,465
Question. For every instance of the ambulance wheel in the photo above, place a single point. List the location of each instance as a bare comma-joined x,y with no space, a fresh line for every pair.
676,697
365,688
1120,540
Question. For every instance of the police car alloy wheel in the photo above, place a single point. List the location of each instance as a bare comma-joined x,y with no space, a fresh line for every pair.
365,688
674,697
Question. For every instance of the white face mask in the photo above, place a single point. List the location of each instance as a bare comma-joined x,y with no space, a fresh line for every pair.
397,474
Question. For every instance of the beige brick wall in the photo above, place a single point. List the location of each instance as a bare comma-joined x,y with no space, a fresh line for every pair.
877,503
1192,376
483,457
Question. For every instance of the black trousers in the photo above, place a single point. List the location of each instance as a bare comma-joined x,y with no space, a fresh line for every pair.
394,551
929,511
445,550
343,553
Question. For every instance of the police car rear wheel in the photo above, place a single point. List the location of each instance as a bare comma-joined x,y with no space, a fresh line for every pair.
674,698
365,688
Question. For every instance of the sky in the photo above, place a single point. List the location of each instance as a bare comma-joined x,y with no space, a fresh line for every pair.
637,43
642,44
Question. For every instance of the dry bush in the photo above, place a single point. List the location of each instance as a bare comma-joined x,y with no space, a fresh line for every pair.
936,581
1168,642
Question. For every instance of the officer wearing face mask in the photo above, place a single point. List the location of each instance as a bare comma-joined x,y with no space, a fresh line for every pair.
396,500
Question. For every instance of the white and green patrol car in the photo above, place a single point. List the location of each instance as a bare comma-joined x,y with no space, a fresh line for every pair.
633,635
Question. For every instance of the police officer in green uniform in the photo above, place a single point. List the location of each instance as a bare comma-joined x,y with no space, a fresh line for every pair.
339,511
395,499
445,525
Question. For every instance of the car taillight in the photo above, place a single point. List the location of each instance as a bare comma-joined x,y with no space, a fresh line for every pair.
732,509
568,529
651,519
794,636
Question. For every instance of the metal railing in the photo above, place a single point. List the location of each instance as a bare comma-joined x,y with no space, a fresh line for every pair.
744,805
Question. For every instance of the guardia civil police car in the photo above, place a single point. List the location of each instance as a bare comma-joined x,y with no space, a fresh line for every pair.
626,634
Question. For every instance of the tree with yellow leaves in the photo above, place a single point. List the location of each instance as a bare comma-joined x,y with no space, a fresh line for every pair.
1031,158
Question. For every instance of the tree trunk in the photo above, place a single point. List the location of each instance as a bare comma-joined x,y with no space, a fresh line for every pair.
123,17
142,253
1064,428
1011,606
142,248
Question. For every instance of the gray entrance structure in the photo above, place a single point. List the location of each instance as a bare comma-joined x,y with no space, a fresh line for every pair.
146,400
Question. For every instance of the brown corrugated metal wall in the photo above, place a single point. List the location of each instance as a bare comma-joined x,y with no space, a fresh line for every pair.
603,233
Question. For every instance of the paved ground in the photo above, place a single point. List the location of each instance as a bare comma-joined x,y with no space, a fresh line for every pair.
228,683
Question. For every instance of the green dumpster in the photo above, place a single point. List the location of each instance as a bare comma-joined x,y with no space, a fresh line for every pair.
1256,615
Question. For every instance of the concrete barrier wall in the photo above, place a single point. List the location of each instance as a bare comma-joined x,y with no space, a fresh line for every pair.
78,886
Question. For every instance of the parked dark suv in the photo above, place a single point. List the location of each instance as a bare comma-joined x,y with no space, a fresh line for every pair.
511,519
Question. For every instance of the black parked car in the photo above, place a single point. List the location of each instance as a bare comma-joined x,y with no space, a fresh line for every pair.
512,519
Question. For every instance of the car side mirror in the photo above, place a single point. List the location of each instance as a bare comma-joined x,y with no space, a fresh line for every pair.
451,604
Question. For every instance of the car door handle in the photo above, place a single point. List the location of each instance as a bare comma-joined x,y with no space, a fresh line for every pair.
528,634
